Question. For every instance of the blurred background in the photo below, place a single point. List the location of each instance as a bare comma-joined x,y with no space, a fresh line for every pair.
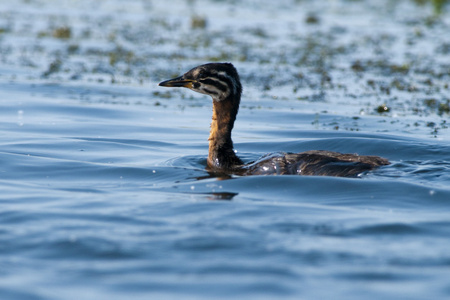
393,54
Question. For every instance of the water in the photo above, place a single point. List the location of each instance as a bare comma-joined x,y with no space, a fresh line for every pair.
102,173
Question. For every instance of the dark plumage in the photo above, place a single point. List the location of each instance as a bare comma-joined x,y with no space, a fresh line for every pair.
221,81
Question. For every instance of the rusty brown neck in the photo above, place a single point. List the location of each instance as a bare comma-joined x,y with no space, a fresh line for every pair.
221,154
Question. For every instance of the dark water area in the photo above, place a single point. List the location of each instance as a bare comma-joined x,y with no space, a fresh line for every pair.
104,192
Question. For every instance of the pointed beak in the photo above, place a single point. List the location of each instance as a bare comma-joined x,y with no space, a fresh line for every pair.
177,82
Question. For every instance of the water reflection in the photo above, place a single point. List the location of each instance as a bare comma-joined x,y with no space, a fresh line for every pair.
221,196
216,175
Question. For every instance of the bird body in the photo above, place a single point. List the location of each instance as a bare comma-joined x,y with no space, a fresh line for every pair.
221,81
314,162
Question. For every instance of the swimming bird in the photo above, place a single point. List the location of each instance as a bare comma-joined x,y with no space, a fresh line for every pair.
221,82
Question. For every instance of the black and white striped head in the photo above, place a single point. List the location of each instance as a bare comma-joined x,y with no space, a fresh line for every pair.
218,80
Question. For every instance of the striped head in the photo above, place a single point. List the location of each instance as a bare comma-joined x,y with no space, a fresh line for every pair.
218,80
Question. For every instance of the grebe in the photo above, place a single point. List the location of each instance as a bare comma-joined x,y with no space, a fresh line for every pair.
221,82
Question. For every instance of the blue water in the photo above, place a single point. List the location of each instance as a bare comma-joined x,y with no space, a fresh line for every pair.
100,201
104,192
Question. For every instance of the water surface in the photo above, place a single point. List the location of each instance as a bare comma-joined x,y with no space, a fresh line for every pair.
104,189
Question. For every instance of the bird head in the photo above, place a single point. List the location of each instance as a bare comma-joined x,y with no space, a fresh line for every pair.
218,80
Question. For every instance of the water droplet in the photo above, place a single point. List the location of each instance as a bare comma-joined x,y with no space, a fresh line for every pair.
20,117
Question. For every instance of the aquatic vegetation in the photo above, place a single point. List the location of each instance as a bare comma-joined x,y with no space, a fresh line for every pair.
119,54
383,109
54,67
62,33
438,5
315,57
312,19
198,22
73,49
440,106
444,107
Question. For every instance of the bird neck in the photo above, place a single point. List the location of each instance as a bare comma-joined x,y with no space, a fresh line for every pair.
221,154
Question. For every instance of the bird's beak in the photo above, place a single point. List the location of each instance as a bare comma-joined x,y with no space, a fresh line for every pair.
177,82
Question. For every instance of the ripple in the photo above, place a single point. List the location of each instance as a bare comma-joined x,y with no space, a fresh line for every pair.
104,192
